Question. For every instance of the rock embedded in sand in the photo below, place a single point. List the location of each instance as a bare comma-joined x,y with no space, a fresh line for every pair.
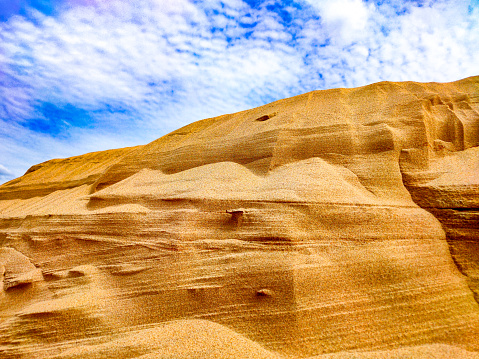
337,220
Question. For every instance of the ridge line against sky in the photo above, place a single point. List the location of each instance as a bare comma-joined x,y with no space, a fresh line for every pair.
78,76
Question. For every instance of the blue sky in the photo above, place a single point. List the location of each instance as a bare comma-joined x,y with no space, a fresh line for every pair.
84,75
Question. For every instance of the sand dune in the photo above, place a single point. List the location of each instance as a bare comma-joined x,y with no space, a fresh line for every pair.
335,224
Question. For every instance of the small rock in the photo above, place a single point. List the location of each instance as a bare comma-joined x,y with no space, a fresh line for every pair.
264,293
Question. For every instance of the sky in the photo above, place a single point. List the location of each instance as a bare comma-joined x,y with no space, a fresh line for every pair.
78,76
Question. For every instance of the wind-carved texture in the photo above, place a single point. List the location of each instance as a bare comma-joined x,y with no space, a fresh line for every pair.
332,221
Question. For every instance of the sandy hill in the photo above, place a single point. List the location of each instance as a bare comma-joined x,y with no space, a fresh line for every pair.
337,224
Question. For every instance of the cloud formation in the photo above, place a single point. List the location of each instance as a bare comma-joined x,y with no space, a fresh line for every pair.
5,171
94,74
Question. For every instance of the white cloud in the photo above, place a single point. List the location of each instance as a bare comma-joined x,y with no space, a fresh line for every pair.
345,20
4,171
436,43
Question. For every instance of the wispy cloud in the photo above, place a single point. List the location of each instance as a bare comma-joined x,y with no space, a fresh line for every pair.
94,74
5,173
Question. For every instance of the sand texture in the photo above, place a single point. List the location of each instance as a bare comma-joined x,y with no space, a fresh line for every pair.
336,224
